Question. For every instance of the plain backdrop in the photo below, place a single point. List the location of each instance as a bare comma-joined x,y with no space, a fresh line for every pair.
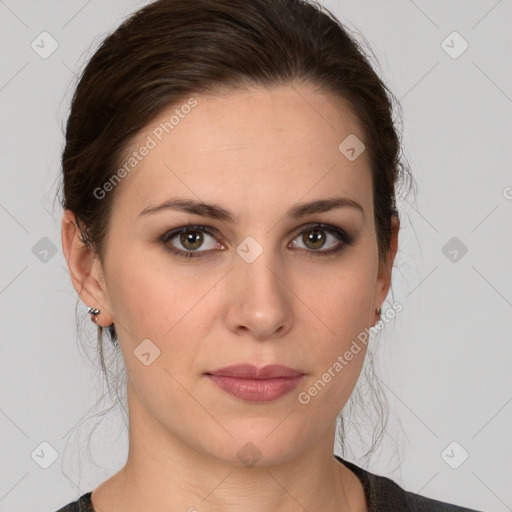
446,359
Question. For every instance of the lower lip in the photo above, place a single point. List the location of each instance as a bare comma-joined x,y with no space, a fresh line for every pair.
256,390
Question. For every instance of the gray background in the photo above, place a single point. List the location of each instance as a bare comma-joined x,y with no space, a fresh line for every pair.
445,360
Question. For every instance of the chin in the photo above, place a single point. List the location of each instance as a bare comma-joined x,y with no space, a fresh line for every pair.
263,446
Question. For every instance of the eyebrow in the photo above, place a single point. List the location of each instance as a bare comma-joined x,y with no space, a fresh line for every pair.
214,211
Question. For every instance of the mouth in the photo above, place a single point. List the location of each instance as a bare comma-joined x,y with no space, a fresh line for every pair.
253,384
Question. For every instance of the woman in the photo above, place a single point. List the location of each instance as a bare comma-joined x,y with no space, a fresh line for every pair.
229,185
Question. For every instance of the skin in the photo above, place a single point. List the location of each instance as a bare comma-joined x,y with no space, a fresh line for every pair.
215,310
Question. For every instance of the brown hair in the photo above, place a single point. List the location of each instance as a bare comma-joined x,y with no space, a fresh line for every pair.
172,49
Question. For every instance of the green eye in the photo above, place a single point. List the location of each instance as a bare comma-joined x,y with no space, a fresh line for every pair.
313,237
316,236
190,238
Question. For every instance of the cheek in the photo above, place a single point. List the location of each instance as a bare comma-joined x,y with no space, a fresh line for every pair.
344,302
161,302
140,301
142,294
344,297
148,307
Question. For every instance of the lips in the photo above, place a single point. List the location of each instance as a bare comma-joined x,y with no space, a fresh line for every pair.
249,371
247,382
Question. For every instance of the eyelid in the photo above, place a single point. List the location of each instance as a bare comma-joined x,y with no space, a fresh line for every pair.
172,233
341,234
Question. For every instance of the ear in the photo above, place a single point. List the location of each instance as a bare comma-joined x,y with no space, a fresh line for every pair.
386,267
85,270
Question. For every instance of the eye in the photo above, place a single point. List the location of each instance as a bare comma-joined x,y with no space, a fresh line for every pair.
191,238
318,236
313,238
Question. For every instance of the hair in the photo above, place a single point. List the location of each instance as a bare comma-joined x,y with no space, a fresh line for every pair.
170,50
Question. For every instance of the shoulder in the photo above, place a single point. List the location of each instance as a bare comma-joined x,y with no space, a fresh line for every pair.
82,504
382,494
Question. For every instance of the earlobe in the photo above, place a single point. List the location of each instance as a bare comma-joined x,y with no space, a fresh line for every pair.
84,269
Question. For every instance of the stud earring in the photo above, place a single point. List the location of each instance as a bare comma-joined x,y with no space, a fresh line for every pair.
94,312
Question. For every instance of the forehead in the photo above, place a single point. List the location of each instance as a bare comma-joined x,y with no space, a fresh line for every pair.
253,145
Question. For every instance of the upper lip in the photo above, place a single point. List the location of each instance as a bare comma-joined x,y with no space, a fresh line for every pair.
249,371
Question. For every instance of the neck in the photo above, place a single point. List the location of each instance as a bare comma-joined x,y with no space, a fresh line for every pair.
163,473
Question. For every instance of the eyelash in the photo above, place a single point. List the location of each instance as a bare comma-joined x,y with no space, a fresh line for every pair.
339,233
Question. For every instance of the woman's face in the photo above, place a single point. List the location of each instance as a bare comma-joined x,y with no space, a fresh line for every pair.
260,289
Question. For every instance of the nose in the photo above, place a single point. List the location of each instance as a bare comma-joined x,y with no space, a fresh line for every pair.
260,298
